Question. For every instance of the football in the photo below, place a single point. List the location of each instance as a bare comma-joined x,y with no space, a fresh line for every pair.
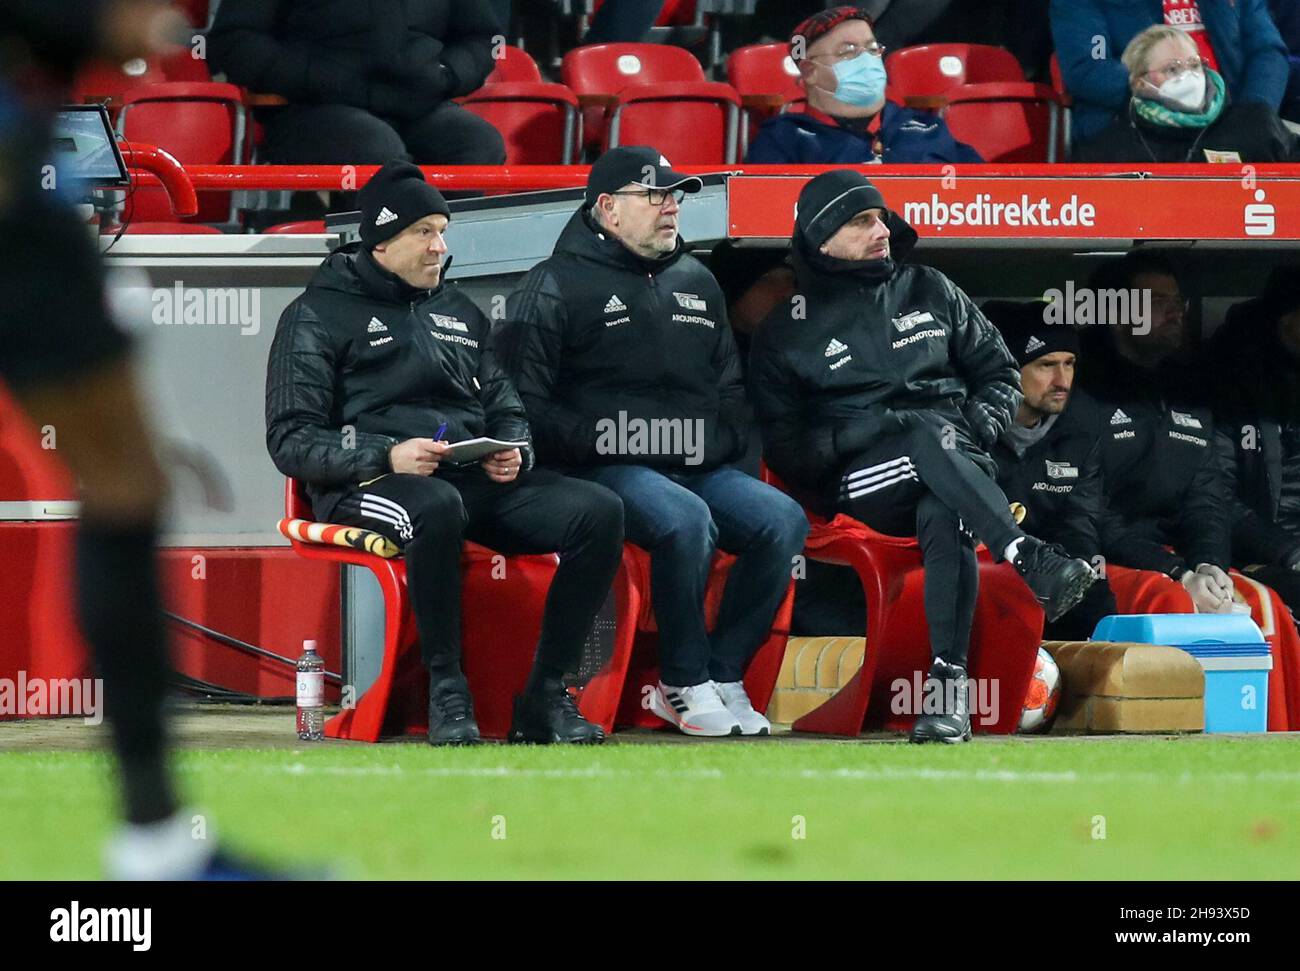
1043,696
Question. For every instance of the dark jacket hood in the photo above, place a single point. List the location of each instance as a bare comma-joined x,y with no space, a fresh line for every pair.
353,270
813,268
584,239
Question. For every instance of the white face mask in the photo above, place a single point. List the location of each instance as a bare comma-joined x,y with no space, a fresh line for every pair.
1184,92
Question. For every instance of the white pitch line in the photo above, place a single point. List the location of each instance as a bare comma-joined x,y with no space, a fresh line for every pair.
844,774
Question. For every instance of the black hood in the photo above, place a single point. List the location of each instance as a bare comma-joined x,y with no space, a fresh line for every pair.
811,266
584,239
352,269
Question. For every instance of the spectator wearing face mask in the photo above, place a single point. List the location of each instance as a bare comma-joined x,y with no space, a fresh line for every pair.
1236,37
1179,111
847,120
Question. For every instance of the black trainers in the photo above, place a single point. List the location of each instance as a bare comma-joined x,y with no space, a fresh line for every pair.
1057,579
550,716
451,713
952,724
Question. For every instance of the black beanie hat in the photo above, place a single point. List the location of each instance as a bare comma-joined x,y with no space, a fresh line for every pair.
396,196
1027,335
832,199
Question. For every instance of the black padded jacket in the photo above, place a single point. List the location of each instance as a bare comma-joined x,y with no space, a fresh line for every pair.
361,361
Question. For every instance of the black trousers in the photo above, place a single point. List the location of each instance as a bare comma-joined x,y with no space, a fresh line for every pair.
931,482
341,134
540,512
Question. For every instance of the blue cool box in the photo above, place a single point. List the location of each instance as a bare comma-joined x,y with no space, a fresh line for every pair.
1231,650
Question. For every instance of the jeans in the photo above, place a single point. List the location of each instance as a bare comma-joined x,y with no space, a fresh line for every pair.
680,519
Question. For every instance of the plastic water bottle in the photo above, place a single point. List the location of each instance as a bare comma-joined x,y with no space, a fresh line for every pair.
311,694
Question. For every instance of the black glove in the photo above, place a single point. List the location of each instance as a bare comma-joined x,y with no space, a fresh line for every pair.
985,423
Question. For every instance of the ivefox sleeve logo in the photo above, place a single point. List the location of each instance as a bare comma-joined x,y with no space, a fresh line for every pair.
73,924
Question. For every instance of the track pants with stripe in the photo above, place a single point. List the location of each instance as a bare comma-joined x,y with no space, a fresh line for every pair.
539,512
911,484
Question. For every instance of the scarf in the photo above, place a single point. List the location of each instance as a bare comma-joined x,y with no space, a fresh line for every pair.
1158,114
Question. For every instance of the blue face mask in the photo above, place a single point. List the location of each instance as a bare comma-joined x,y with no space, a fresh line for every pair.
861,81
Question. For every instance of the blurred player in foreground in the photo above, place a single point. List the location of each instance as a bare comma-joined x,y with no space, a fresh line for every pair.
68,364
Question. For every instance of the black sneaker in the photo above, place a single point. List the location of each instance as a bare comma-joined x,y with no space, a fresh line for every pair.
1058,580
952,725
550,716
451,713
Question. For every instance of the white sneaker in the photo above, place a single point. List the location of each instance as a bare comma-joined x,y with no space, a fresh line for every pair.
737,701
695,709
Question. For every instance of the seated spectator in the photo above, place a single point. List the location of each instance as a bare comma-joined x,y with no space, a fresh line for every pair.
362,90
1236,37
847,120
1286,15
1257,401
1179,112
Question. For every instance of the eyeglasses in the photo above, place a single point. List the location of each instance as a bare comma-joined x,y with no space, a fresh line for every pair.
656,197
1161,303
1176,67
850,51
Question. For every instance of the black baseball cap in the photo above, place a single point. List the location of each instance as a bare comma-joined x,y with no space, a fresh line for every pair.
635,165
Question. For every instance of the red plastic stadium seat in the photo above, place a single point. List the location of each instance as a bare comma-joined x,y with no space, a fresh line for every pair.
1015,122
933,69
494,663
146,228
103,81
307,226
514,65
653,94
1067,104
643,667
538,121
198,123
1004,640
767,81
184,66
496,644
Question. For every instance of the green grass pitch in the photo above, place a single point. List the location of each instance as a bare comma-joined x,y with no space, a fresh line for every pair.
1215,808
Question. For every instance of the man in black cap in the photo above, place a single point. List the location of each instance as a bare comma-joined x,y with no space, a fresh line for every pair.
620,347
1049,457
880,389
374,369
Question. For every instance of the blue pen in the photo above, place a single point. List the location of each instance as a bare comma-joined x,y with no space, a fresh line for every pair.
442,430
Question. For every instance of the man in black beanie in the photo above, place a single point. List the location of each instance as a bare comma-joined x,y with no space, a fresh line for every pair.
880,389
373,371
1049,457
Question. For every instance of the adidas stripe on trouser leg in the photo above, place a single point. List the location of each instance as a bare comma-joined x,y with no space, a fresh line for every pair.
540,512
884,490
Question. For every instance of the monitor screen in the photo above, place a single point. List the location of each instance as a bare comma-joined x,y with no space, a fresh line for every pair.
85,148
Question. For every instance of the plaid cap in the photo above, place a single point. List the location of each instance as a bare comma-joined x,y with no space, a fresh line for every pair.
824,22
